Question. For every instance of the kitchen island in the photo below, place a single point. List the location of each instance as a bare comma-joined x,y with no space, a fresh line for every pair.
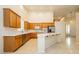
45,40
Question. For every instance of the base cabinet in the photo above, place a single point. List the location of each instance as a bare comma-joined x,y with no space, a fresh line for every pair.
49,41
12,43
25,38
33,35
18,41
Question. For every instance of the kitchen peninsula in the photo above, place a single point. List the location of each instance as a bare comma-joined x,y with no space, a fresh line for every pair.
45,40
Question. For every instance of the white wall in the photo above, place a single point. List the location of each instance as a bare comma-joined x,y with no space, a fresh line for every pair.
71,21
77,26
40,16
20,11
73,27
60,27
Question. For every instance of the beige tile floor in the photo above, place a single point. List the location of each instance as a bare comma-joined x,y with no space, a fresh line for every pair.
69,46
28,48
66,47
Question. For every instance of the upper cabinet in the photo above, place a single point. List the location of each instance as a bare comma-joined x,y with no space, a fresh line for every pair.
26,25
18,21
11,19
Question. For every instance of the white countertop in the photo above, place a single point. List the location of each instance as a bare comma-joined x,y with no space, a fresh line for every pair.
46,34
14,33
17,33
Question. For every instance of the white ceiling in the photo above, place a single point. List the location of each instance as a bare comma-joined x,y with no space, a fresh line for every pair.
59,10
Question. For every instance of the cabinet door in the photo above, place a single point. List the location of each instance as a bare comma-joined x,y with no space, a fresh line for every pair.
18,22
33,35
18,41
9,44
12,19
26,25
6,15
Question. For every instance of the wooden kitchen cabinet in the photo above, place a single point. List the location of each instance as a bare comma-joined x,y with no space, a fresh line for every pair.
6,16
18,21
11,19
24,36
33,35
11,43
26,25
18,41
